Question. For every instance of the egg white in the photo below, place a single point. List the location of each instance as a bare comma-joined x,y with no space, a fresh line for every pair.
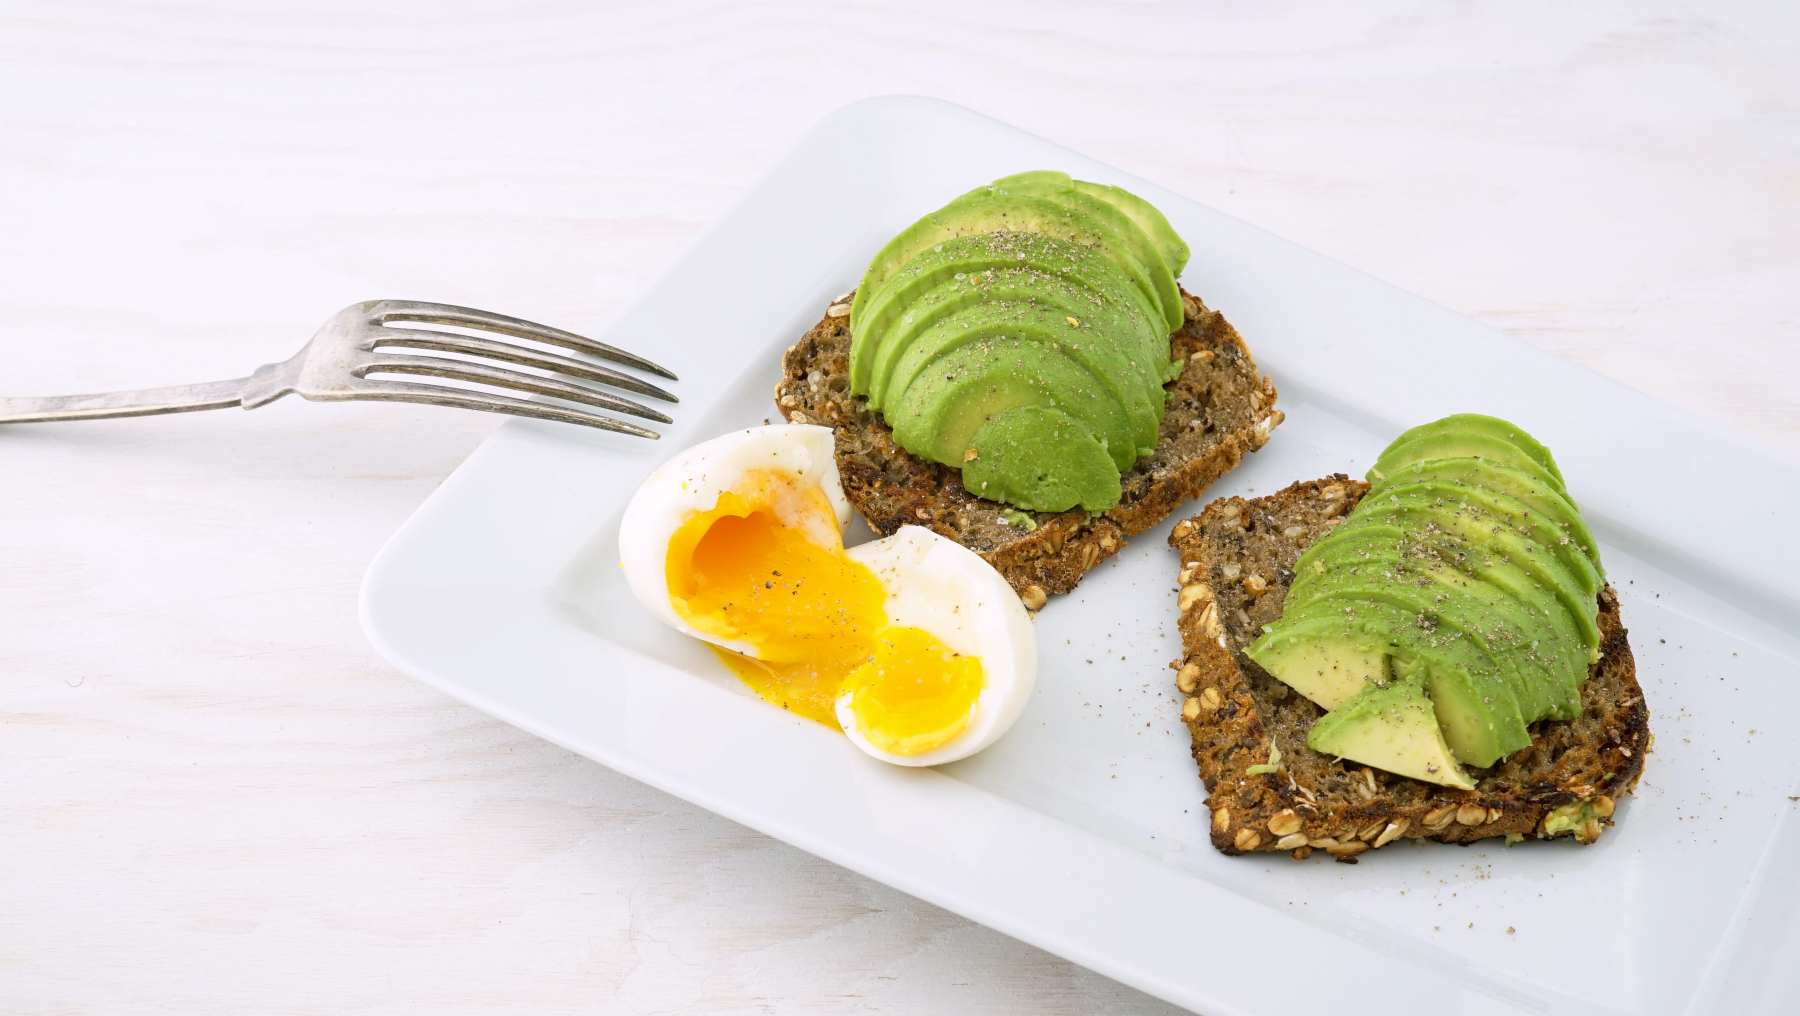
692,482
940,586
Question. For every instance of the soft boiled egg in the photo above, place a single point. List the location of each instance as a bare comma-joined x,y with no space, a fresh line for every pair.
912,645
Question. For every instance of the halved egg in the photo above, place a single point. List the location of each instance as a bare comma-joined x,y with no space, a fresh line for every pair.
912,645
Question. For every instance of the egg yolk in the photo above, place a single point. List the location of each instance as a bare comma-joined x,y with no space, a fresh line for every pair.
765,566
914,694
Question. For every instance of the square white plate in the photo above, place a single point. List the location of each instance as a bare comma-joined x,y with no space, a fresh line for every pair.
1084,830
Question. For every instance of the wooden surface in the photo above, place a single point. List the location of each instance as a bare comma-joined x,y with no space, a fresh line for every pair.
215,799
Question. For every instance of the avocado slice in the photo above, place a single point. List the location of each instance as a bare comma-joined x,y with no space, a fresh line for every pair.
1557,644
1117,369
1478,733
1541,566
1040,459
1169,244
1393,728
967,269
1066,302
1525,630
938,415
1118,231
904,303
1532,487
1468,434
1321,659
989,210
1454,445
1033,177
1445,600
1500,512
1476,706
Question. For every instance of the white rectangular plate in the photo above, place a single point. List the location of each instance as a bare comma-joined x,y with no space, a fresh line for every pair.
1084,831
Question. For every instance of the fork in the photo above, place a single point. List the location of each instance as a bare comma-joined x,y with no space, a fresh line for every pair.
336,364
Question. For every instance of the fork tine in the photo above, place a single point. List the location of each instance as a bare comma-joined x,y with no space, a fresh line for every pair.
501,377
458,398
450,314
494,349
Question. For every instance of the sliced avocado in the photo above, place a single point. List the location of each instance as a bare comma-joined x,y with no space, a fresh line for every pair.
1530,486
1446,601
1500,512
1463,585
1541,653
938,415
1066,303
1173,248
1118,231
988,210
1031,177
1394,729
918,291
1040,459
1467,434
1317,657
1556,644
1479,730
1117,369
1031,293
1476,705
1543,566
1453,445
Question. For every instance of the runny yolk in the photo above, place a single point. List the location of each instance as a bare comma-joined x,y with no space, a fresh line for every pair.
765,566
914,694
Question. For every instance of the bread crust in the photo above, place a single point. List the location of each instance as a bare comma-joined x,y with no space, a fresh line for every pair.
1220,408
1236,560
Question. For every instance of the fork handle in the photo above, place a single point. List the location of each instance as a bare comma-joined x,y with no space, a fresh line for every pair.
142,402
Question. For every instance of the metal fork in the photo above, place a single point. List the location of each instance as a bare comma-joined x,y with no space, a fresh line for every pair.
336,362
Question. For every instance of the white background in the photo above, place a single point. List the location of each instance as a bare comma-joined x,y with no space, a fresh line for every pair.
214,798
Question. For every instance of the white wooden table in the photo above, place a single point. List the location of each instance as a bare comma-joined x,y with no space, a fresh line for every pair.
214,798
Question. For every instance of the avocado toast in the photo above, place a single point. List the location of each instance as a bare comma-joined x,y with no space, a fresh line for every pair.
1021,372
1219,409
1269,791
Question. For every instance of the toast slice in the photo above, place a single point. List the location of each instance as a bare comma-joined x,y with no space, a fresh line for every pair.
1237,558
1220,408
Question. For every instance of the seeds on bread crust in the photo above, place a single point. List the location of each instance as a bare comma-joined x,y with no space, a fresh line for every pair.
1193,594
1393,831
1187,679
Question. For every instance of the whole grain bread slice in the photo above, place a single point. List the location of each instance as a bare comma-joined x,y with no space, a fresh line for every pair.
1219,409
1237,558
